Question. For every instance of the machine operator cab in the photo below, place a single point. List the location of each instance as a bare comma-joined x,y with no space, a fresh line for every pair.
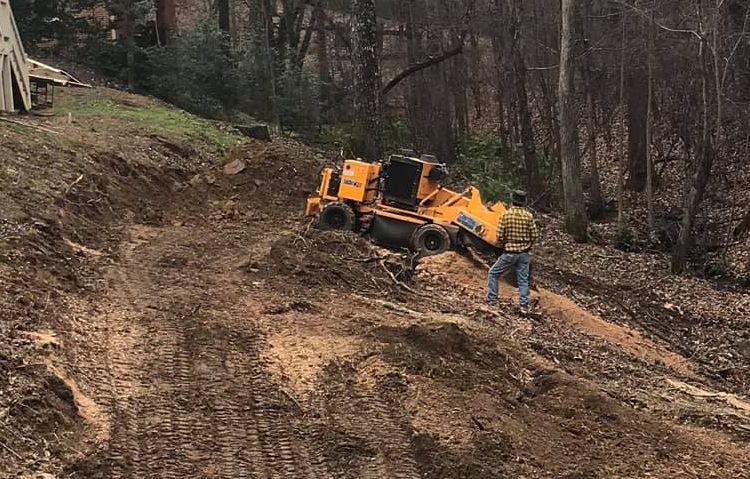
401,181
406,181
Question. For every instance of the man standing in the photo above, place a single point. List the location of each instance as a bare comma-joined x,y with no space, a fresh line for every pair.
516,237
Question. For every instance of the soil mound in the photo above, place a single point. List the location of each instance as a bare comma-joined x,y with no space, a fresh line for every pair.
277,170
451,269
313,258
446,339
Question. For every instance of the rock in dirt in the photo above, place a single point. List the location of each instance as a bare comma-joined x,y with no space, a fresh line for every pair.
62,390
259,132
234,167
44,339
196,180
247,264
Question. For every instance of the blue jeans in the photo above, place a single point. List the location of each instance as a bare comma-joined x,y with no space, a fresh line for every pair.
519,261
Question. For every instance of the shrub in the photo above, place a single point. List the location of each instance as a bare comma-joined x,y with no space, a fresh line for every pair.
201,72
486,162
197,72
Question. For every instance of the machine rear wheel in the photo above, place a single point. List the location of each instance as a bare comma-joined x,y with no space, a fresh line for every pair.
431,239
391,232
337,216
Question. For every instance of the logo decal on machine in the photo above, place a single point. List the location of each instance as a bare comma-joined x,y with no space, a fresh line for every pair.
470,223
353,183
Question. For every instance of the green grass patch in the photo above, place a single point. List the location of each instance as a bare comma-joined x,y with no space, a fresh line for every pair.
37,135
156,119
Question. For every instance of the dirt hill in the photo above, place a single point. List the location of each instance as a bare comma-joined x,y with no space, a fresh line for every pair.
171,315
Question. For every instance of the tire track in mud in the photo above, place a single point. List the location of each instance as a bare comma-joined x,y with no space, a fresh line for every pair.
396,459
189,393
258,410
362,433
122,367
388,434
189,397
180,430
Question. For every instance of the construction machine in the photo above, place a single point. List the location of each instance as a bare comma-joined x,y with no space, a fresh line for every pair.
401,203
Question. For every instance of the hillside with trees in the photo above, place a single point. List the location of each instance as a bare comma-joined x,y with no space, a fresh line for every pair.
170,313
655,108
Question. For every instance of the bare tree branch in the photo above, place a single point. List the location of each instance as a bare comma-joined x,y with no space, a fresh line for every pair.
421,66
436,59
646,16
736,46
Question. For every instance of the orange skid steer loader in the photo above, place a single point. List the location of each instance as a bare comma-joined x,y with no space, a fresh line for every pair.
401,203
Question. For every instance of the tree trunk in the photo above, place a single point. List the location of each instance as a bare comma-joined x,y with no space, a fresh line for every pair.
270,64
415,83
576,221
534,180
475,85
366,136
304,46
128,27
498,48
430,97
438,119
743,227
637,119
224,19
166,19
321,51
702,173
460,99
546,82
623,155
717,77
649,126
596,200
131,64
289,28
324,69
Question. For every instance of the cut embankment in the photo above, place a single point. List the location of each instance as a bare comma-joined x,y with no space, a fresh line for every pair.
466,275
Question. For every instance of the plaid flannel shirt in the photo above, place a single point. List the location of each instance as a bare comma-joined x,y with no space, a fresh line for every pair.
518,230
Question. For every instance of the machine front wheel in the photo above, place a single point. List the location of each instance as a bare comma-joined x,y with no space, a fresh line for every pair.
337,216
430,240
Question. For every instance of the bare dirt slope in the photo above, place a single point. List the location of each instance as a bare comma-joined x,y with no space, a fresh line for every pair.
187,323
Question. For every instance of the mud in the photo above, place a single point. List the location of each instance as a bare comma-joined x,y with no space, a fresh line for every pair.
188,393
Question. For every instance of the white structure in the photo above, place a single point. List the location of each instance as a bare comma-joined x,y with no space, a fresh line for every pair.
15,93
